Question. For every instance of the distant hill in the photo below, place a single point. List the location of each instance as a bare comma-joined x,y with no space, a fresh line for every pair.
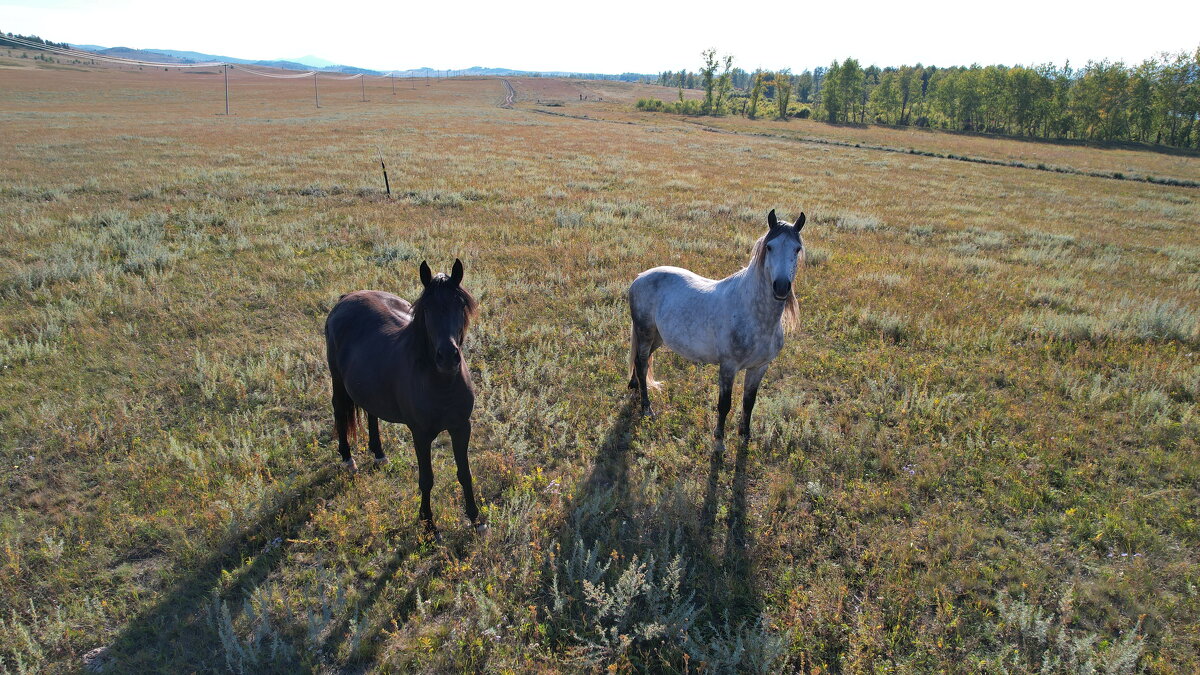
169,56
197,56
481,71
310,62
139,54
314,61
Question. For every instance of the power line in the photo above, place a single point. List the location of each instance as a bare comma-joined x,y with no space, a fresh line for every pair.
279,76
225,67
106,57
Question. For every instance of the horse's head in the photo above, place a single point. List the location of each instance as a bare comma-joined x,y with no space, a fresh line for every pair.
781,249
444,310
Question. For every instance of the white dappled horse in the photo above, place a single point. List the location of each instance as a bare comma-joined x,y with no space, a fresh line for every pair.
737,322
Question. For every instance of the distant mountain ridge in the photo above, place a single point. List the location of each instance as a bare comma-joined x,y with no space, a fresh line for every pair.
314,61
310,62
169,56
481,71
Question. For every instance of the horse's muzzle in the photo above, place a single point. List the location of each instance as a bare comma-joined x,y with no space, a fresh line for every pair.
781,288
446,359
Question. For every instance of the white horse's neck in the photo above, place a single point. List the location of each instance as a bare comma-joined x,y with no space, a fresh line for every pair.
754,290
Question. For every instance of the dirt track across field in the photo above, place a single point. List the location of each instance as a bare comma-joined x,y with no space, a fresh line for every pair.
510,96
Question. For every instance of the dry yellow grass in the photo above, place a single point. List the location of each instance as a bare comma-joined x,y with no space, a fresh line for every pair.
979,448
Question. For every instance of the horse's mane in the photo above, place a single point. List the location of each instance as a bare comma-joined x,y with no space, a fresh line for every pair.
791,308
437,297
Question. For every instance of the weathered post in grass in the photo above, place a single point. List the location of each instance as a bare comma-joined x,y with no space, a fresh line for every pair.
386,186
316,96
225,68
393,77
363,78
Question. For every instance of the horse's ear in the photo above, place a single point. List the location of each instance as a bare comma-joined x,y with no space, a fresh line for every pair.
456,274
771,219
426,274
800,222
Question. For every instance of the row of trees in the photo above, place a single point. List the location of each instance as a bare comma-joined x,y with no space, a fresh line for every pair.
732,91
29,38
1157,101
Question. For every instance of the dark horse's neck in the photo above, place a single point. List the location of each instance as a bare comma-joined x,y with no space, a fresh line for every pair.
417,332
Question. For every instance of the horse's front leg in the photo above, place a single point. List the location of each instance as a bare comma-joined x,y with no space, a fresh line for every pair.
423,443
754,377
724,399
460,437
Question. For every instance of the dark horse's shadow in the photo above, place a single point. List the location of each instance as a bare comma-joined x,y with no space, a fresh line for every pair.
173,635
413,582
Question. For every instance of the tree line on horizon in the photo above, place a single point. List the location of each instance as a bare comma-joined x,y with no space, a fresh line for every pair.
28,38
1157,101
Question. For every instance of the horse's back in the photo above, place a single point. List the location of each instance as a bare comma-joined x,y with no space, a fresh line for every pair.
362,317
666,283
368,311
682,307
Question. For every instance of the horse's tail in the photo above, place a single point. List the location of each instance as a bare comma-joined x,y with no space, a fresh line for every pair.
633,349
634,345
345,412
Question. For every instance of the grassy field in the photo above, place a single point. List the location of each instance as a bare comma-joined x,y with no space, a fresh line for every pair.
977,453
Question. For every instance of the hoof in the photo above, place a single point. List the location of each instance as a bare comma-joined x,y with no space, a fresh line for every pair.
647,411
431,531
350,466
380,461
482,528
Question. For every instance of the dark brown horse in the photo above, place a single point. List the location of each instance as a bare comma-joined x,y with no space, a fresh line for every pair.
403,363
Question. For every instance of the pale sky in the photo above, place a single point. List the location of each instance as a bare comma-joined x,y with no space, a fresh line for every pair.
622,35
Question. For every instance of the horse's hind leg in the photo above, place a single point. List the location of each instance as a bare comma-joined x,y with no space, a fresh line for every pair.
343,421
644,339
461,438
373,441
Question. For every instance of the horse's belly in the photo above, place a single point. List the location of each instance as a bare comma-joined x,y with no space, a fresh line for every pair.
688,330
366,395
691,350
